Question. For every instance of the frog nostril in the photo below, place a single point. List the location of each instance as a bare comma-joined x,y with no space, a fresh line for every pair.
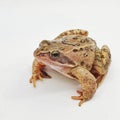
41,49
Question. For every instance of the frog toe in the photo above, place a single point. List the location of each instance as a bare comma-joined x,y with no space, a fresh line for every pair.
81,98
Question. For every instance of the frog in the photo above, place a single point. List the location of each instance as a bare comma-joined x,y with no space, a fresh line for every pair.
74,55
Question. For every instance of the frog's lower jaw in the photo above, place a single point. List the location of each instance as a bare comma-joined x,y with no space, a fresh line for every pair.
88,84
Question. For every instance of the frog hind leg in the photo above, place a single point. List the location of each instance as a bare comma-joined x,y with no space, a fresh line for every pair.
38,72
73,32
106,56
88,84
101,63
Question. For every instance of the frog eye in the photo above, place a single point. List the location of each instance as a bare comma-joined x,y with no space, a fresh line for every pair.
44,43
55,54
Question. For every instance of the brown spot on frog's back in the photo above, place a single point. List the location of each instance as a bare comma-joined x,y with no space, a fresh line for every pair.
82,63
75,50
85,54
81,49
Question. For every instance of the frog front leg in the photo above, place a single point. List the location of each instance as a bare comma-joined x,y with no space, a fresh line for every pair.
88,84
38,72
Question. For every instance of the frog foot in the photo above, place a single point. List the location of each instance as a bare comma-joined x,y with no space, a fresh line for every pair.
40,76
80,97
38,72
34,78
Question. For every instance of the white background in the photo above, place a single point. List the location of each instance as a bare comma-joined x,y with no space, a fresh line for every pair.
23,24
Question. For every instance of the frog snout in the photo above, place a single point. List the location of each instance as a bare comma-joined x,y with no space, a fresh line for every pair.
39,53
36,52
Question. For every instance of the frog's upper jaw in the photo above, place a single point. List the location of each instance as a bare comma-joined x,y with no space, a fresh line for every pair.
54,59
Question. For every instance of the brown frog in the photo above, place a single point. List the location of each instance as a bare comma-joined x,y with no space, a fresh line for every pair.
76,56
